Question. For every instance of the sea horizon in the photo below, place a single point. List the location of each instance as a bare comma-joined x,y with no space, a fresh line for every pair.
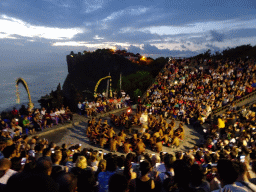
41,78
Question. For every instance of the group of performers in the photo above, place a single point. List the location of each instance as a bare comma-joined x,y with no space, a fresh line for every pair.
156,133
126,120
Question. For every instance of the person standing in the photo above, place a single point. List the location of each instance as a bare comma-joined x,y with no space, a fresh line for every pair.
144,182
103,177
221,125
127,100
79,106
123,93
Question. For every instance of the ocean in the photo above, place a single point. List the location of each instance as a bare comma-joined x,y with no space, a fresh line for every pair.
41,78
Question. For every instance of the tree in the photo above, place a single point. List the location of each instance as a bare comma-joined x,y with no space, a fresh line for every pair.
217,55
207,54
137,93
136,82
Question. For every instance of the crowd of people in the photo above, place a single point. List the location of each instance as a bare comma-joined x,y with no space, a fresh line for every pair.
154,135
103,104
35,164
225,162
189,93
180,93
23,121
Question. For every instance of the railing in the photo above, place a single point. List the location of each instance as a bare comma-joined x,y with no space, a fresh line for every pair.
246,107
226,107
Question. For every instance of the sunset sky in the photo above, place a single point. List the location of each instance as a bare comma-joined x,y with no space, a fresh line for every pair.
47,30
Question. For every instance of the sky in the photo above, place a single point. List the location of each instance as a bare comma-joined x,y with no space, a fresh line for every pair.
48,30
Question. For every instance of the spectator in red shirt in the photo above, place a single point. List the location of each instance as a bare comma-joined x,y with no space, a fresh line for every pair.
15,112
47,120
249,88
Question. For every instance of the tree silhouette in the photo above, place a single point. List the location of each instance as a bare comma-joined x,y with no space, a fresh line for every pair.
136,82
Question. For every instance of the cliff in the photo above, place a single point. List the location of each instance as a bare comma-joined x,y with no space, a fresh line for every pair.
84,70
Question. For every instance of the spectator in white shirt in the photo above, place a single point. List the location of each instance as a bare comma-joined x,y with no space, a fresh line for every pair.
127,99
62,111
242,179
43,111
228,174
79,106
5,170
57,113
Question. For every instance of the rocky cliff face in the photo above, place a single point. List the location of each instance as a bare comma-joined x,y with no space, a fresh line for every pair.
85,70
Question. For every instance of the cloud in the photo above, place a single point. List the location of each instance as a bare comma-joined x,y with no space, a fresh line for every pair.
134,49
215,36
5,4
6,36
92,5
91,45
135,17
60,3
125,12
96,37
247,4
183,46
32,31
213,48
241,33
153,51
71,43
134,37
153,27
22,52
197,39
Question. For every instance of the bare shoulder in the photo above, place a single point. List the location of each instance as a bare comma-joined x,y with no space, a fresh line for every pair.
152,184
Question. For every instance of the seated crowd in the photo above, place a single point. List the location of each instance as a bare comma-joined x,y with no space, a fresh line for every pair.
188,93
28,122
155,135
36,165
102,105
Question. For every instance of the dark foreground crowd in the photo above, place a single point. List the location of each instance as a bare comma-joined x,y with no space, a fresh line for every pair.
36,165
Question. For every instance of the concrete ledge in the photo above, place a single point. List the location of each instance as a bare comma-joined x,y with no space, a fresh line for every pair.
50,130
77,119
